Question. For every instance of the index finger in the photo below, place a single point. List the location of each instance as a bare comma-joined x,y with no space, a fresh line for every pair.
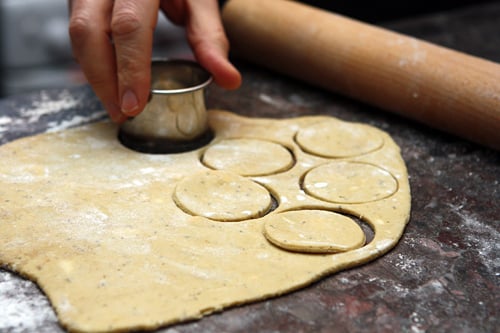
90,39
132,27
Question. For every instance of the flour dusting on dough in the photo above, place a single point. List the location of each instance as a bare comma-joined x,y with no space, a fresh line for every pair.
122,244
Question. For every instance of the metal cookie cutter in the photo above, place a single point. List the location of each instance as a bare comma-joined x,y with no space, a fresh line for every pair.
175,118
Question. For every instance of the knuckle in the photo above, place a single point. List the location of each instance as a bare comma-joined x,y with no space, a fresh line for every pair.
97,80
103,84
221,37
125,23
132,72
79,27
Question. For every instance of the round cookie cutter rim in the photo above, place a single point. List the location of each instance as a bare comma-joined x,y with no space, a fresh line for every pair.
205,80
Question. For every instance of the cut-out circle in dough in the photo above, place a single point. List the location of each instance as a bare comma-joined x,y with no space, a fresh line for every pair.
313,231
349,182
222,196
248,157
336,139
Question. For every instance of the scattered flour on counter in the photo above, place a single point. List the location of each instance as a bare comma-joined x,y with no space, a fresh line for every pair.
48,105
270,100
409,265
77,120
4,122
23,307
482,237
60,106
285,103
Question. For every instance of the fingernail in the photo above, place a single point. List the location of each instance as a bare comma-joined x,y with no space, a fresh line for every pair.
129,103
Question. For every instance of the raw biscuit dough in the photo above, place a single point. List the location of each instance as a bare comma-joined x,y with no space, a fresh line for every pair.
120,240
315,231
349,182
238,156
222,196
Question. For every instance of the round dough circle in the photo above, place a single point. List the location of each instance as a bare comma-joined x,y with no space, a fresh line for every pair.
313,231
222,196
349,182
337,139
248,157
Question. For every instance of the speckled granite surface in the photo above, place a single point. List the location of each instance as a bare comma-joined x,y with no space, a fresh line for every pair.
444,276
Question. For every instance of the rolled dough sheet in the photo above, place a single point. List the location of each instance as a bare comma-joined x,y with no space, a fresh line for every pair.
120,240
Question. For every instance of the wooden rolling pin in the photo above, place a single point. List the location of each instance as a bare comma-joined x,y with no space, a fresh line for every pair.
440,87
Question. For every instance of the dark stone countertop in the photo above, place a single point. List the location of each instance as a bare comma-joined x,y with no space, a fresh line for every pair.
442,277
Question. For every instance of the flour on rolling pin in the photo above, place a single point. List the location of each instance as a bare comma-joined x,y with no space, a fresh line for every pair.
120,240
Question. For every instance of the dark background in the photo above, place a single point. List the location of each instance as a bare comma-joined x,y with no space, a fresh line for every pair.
378,11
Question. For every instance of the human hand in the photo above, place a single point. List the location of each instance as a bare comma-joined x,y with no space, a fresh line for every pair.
112,41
